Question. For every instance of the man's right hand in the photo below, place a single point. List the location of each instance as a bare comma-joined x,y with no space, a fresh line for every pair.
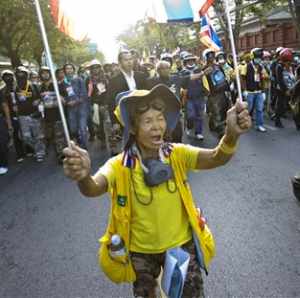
77,163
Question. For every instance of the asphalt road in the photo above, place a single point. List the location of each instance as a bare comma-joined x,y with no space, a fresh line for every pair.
49,232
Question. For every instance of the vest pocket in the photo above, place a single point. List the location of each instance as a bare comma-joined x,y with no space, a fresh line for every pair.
117,269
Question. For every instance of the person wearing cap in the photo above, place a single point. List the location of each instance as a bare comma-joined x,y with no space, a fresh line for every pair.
27,103
77,104
194,98
153,209
6,130
285,82
253,77
54,131
97,85
8,95
216,87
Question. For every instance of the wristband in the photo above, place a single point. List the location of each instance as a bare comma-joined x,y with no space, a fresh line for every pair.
227,149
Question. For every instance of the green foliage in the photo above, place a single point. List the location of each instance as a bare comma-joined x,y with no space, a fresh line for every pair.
148,37
20,36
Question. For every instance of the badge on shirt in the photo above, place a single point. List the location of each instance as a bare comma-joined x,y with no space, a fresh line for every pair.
121,200
101,88
70,91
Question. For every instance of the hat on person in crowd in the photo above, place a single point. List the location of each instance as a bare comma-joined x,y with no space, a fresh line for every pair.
257,53
220,54
183,54
94,62
127,101
189,57
278,50
286,55
6,72
167,57
207,53
22,69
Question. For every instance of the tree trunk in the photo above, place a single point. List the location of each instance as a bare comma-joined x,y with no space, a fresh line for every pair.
15,59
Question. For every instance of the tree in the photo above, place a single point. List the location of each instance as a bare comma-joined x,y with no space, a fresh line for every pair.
20,36
148,37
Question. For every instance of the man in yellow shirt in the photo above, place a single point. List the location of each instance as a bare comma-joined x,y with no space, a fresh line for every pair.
152,209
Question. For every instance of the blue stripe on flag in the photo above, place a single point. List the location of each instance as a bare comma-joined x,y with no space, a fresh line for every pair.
178,10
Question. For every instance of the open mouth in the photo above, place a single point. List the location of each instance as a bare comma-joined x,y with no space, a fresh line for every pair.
157,140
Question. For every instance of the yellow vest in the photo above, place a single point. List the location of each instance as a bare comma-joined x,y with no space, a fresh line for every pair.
120,269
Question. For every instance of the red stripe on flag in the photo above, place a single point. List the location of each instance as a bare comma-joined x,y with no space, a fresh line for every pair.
54,6
205,7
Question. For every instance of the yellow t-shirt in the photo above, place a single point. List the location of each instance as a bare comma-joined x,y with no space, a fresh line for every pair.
162,223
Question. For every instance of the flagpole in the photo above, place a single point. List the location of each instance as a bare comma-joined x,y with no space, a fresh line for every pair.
55,84
234,55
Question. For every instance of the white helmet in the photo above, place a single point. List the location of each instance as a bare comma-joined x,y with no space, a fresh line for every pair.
206,52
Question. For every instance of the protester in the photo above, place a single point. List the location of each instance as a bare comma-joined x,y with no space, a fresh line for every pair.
295,100
8,95
6,129
253,76
54,130
77,105
141,213
216,87
195,99
29,116
126,79
97,85
285,82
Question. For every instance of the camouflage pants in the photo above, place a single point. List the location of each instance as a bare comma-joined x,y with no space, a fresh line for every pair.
33,134
148,267
218,104
55,134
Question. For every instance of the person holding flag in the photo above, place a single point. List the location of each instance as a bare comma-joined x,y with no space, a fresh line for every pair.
142,200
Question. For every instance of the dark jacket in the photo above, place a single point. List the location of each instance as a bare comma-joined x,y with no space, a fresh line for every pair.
119,84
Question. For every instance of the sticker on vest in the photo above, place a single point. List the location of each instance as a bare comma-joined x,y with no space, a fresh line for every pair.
49,98
70,91
288,79
256,77
218,78
101,88
22,97
121,200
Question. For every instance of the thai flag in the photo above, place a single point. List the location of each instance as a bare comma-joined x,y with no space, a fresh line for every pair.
64,20
208,35
164,11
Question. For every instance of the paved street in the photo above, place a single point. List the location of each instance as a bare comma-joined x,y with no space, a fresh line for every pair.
49,232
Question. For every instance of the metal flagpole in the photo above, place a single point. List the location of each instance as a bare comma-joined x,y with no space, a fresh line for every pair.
237,74
49,57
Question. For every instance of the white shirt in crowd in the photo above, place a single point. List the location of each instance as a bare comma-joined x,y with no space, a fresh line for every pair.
130,80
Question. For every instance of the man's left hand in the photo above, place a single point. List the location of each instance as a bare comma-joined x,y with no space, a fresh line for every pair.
238,120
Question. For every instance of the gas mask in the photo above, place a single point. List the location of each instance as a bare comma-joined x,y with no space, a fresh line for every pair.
257,60
158,172
8,79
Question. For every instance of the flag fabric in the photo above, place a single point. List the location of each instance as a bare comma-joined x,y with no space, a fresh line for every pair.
208,35
63,20
164,11
205,7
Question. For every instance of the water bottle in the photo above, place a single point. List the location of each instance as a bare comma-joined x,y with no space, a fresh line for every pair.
117,247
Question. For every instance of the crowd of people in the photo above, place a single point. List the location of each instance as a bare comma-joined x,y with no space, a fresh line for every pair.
30,119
